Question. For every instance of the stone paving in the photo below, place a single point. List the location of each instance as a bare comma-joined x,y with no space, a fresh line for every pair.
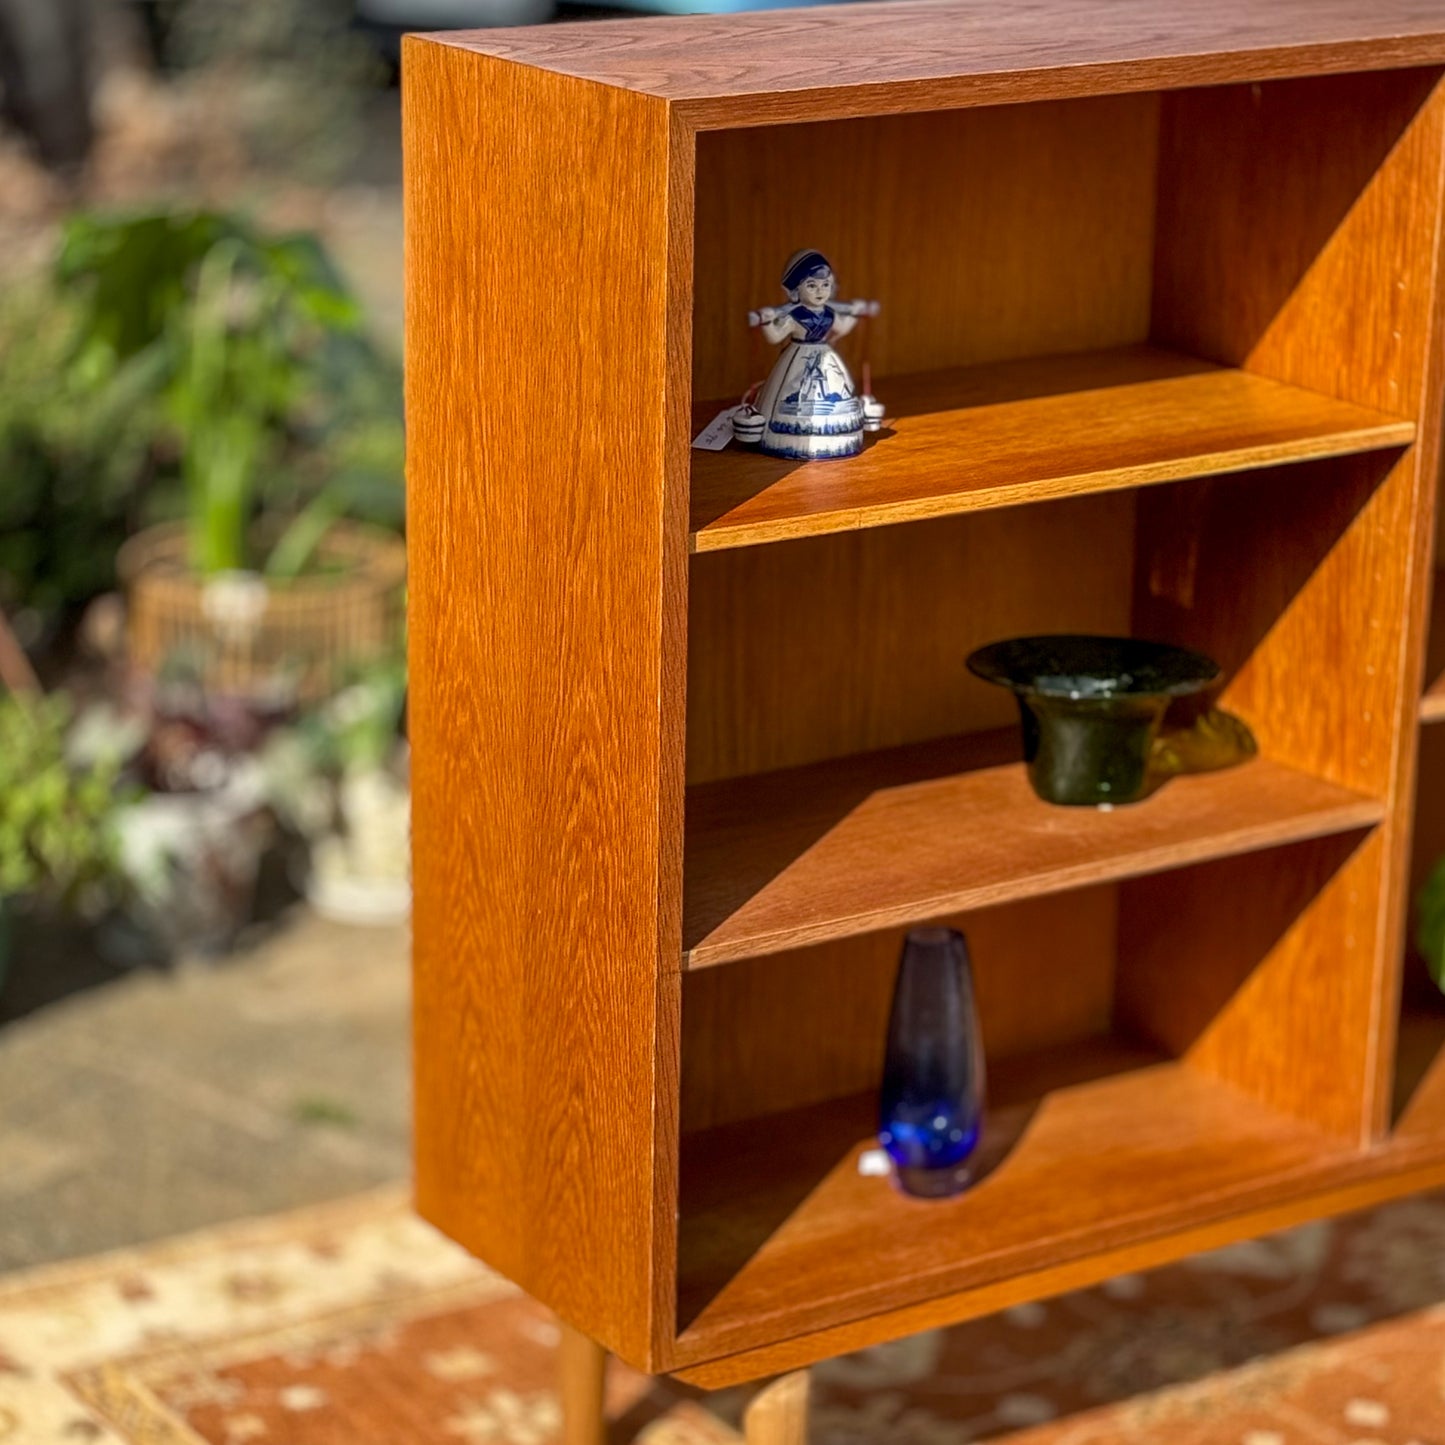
165,1102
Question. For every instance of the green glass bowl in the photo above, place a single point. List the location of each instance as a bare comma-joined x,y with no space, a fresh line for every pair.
1091,709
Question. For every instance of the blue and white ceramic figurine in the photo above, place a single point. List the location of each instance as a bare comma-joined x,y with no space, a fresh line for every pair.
809,407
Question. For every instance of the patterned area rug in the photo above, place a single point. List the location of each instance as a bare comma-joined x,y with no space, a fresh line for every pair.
355,1324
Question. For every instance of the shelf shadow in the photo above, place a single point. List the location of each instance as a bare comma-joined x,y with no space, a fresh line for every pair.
1225,920
1288,165
722,817
1419,1059
1206,580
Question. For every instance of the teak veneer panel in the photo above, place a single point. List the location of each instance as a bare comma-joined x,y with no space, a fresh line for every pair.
1312,255
828,646
1029,431
743,1054
1089,1166
1338,1184
780,861
873,59
547,746
989,234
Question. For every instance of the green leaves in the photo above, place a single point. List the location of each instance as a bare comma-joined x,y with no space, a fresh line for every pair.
251,343
139,273
1430,923
74,456
56,835
185,364
356,731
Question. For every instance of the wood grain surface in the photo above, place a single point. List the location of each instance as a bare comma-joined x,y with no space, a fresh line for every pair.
1028,431
1336,1185
876,58
540,706
1312,256
743,1054
835,645
1243,966
778,862
1004,232
1269,600
1432,700
1134,1148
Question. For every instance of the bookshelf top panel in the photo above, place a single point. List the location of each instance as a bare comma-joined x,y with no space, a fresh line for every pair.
905,55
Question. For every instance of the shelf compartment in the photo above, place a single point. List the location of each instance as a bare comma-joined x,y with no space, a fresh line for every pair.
1090,1145
1419,1105
1028,431
1432,704
783,860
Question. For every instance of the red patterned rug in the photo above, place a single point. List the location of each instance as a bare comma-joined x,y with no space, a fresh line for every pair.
356,1324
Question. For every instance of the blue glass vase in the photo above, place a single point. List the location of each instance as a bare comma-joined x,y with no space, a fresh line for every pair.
932,1103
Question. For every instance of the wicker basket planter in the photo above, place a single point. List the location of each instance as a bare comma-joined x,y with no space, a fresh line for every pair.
253,638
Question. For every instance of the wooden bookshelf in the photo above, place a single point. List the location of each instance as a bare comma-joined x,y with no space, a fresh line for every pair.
1160,355
1029,431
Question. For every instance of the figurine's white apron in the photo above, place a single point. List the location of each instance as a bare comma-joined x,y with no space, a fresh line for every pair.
810,405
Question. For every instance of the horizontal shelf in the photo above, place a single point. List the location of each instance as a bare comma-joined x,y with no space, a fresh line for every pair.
1095,1144
1026,431
787,859
1432,705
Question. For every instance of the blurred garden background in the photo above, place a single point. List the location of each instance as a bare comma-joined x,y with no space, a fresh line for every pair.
203,764
204,812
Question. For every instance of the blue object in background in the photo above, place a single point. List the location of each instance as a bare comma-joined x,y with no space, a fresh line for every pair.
699,7
932,1104
397,16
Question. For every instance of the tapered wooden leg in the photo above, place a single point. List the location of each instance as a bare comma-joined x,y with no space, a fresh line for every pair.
582,1377
778,1415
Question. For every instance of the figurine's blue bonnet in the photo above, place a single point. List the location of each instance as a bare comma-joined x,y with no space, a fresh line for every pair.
801,265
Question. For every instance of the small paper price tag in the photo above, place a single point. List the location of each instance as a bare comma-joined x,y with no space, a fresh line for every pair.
874,1164
718,432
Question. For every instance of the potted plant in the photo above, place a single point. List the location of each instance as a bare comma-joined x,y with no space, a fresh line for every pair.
339,778
59,851
251,345
75,458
